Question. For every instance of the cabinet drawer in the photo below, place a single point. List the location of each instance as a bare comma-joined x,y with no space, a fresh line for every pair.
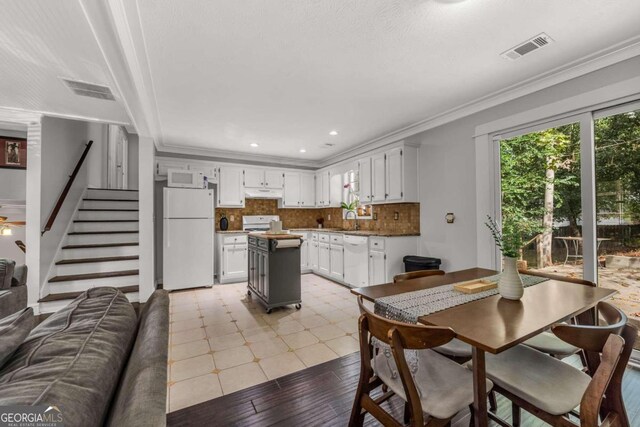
263,244
336,239
314,236
253,241
376,243
236,238
323,237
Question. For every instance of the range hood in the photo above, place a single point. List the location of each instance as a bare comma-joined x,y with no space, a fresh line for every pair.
262,193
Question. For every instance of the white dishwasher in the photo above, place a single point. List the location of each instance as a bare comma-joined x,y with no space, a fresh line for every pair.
356,260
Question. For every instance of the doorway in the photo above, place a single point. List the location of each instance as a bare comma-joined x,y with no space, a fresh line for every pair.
117,158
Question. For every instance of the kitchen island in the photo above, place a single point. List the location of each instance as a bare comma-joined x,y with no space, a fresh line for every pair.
274,269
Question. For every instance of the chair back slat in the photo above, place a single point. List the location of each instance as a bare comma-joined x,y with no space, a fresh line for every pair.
593,338
413,337
416,274
592,398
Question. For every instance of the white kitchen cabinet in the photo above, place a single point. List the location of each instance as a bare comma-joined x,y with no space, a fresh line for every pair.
208,170
377,268
273,179
364,180
163,165
336,262
394,176
324,258
326,188
313,255
304,252
378,178
319,201
230,187
253,178
232,253
291,195
336,188
307,190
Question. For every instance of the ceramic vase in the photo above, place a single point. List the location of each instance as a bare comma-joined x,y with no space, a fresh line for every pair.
510,283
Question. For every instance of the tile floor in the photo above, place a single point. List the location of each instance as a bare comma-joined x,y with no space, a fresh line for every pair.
222,341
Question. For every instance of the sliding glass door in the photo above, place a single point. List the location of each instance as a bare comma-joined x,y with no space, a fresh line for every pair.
541,197
617,173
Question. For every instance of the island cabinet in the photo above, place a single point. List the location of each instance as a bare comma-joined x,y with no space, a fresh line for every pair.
273,264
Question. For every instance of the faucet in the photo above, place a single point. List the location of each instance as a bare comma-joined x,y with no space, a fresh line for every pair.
355,217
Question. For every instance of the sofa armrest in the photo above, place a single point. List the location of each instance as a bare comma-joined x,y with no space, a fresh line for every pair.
19,275
13,300
141,399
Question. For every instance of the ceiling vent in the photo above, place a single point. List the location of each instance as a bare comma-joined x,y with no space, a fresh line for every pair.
328,145
537,42
89,89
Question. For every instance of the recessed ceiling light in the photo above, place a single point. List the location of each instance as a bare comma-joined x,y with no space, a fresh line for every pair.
302,150
333,133
253,144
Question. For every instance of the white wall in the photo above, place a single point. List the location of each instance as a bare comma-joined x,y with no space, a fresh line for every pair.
447,168
97,159
133,160
62,144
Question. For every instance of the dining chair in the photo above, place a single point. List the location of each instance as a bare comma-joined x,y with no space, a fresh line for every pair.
547,342
551,389
428,382
416,274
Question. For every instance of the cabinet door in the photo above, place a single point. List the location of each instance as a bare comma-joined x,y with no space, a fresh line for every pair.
337,261
364,180
319,201
378,178
307,190
394,174
377,268
254,178
250,267
326,188
291,197
231,187
265,274
162,165
313,256
304,255
336,189
273,179
324,258
234,261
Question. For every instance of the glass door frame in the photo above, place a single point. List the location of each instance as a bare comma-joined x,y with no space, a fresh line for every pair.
587,181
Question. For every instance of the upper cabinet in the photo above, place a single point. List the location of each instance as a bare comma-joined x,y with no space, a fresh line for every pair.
231,187
299,190
323,188
261,178
389,176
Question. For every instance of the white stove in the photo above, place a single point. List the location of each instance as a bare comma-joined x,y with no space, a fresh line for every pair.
258,223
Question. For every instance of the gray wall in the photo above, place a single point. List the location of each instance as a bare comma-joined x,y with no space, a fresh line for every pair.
13,182
447,167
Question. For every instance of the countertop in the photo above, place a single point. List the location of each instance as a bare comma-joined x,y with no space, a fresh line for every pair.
275,236
378,233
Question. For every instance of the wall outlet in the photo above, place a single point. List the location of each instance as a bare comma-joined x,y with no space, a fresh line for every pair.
328,217
231,218
375,216
396,215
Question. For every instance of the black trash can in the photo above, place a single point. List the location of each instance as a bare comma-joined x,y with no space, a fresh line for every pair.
416,263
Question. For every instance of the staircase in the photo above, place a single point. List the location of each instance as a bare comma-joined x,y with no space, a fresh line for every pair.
100,249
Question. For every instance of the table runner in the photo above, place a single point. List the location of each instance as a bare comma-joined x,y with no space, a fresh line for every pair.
409,306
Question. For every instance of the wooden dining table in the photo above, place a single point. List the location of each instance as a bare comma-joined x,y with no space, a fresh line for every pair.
495,324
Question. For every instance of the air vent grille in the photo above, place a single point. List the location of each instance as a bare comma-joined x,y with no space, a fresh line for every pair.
529,46
89,89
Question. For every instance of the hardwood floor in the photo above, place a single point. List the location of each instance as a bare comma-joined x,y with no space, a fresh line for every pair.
322,396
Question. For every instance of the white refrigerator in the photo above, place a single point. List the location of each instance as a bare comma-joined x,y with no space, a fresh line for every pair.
188,227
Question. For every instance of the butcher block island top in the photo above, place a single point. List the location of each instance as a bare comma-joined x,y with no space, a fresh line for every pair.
283,236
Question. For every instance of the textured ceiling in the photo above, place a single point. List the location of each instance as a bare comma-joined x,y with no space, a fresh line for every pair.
41,41
284,73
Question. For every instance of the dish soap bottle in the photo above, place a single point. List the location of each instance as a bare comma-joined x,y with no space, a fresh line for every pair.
224,223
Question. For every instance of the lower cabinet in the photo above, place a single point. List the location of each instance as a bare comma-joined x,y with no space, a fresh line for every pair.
232,258
377,268
324,259
336,261
304,253
313,254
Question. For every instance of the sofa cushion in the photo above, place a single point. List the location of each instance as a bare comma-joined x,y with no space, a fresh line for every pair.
141,397
73,360
13,330
6,272
19,276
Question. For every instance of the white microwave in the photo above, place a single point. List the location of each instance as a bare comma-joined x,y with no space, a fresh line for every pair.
182,178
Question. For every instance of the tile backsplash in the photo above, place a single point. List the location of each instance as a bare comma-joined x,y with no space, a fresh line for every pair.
408,216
